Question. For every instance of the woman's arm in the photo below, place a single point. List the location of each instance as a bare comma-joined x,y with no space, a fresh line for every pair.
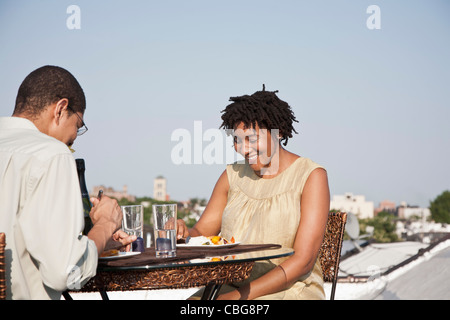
211,220
315,205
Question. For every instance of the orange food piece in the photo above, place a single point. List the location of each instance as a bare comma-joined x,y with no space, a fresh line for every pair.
232,240
110,253
215,239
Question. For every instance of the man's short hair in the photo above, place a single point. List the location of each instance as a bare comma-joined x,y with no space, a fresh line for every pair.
47,85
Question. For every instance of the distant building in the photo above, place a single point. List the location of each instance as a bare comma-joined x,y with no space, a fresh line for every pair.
355,204
160,189
405,211
386,206
110,192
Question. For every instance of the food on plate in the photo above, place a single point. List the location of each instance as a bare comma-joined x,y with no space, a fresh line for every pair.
110,253
222,258
211,240
216,259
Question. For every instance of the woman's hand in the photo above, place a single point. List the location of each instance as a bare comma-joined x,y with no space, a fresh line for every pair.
182,229
120,240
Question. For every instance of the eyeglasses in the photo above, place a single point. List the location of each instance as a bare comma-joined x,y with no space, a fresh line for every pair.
81,130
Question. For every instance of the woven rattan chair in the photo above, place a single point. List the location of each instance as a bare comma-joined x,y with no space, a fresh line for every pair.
330,251
2,267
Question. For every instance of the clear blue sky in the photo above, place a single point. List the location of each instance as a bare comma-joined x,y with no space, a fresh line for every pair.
373,105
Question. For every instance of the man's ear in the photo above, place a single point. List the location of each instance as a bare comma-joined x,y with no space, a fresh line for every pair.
59,109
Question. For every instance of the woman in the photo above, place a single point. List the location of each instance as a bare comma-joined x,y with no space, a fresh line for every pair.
275,196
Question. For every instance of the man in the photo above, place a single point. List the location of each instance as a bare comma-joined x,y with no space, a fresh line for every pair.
41,209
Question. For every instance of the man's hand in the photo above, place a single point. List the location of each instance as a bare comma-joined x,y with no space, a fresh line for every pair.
106,216
106,210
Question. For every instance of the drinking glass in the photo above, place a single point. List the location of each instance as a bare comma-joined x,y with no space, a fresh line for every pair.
133,220
165,223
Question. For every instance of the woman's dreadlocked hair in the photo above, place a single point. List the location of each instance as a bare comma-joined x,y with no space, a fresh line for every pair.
263,108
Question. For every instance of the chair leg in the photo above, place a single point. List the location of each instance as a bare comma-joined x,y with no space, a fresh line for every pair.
104,295
211,291
333,290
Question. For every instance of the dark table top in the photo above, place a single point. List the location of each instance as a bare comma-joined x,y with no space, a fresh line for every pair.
194,256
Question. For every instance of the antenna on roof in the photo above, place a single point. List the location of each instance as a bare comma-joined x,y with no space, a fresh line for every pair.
352,228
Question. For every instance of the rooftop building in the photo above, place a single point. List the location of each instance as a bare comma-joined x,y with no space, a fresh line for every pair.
386,206
405,211
111,192
355,204
160,189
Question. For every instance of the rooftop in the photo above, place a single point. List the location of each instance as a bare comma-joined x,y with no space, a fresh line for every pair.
401,270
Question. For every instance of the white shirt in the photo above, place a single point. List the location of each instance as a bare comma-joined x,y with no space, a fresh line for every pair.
41,212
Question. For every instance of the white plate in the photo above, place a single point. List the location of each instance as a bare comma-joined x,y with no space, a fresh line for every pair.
120,255
210,246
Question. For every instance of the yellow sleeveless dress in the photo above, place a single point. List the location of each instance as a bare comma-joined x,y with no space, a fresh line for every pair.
268,211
